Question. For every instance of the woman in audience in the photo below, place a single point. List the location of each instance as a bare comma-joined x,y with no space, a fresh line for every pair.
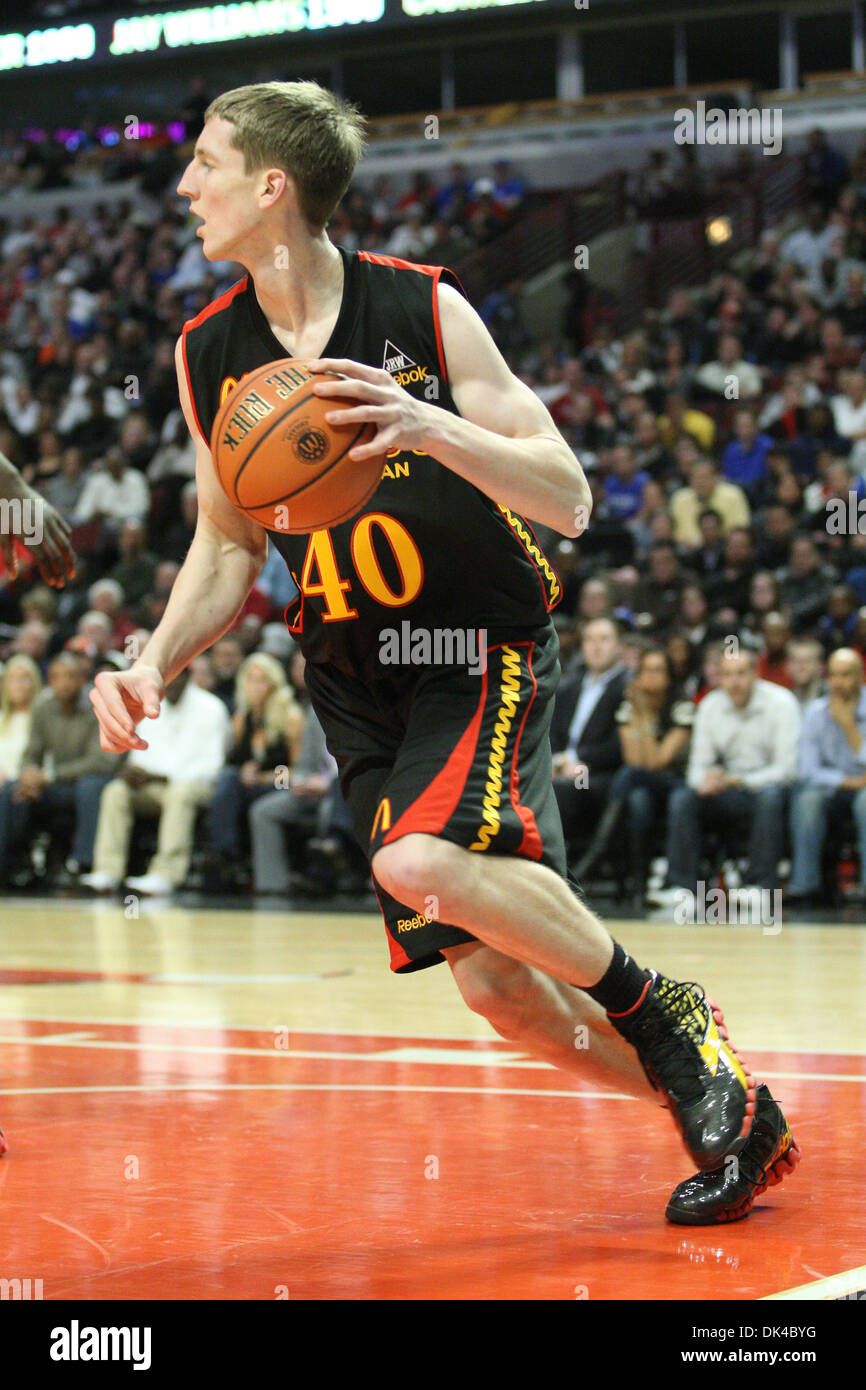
654,729
764,597
267,726
19,686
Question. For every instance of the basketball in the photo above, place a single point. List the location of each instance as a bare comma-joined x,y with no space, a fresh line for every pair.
281,462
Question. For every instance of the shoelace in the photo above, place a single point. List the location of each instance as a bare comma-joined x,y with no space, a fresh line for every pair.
664,1045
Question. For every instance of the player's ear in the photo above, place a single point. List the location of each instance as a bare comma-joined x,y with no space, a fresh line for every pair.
273,183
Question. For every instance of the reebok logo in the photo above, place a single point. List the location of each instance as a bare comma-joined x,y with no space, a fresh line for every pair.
401,366
413,923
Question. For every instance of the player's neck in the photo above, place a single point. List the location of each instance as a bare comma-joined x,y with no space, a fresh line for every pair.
300,285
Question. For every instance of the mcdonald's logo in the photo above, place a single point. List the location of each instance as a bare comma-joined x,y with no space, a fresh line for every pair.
383,813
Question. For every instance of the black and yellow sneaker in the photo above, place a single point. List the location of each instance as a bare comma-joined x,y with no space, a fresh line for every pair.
680,1038
728,1193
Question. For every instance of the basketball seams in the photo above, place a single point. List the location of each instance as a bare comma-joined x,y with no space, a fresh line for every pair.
249,381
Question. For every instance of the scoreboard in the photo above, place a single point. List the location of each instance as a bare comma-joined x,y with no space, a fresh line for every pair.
108,37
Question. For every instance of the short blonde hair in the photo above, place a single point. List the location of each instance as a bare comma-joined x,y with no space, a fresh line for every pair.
302,128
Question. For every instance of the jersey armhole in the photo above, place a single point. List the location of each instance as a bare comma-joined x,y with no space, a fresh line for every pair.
450,279
189,388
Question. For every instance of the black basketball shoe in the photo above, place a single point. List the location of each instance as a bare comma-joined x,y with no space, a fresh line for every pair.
680,1038
729,1192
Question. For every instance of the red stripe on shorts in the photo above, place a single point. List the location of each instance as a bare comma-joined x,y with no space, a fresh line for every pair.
432,810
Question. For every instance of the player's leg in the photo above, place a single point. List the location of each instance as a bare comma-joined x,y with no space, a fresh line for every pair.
546,1018
523,909
526,910
566,1028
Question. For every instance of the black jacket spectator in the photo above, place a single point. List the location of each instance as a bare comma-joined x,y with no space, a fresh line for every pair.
599,743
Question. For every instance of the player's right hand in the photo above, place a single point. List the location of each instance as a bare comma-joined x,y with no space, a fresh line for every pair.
121,699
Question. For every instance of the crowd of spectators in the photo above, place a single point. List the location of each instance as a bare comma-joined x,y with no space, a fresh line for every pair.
725,443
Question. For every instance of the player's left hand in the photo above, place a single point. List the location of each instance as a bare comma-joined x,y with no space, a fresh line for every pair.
402,421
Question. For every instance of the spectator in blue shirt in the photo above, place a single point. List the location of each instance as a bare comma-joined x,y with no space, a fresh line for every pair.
624,484
509,187
744,461
832,774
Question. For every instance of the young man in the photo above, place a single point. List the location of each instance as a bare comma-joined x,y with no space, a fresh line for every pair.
446,769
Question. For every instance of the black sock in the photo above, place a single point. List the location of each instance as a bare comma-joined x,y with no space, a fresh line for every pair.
621,985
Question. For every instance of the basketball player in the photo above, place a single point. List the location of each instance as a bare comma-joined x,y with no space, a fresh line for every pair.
446,769
25,516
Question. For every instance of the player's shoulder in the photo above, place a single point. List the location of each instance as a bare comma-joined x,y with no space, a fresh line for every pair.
214,313
399,270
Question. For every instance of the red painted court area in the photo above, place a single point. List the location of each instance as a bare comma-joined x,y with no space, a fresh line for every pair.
188,1162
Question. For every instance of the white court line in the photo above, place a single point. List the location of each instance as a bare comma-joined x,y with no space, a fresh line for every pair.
476,1057
307,1086
223,1025
834,1286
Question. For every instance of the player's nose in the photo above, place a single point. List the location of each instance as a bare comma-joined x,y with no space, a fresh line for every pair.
183,187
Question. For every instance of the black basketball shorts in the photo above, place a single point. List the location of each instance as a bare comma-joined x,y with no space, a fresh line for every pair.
446,751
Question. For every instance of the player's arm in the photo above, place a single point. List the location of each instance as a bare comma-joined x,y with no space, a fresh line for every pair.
222,564
28,518
504,439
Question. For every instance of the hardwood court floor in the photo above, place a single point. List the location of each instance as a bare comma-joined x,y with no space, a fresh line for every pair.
221,1104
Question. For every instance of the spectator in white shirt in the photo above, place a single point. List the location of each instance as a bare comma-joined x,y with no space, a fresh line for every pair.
172,778
849,414
730,375
743,759
114,495
808,246
411,240
22,407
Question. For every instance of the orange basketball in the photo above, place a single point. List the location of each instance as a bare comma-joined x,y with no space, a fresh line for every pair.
280,461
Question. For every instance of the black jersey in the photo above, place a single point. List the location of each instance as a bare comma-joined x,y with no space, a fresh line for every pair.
428,549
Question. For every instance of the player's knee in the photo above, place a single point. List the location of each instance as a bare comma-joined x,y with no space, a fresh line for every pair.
500,991
411,867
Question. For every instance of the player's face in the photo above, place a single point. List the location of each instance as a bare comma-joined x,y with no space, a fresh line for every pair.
221,192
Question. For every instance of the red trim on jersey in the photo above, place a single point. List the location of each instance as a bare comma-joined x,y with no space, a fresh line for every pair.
296,628
436,272
430,812
396,262
530,845
528,525
438,327
189,387
549,603
214,307
217,304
